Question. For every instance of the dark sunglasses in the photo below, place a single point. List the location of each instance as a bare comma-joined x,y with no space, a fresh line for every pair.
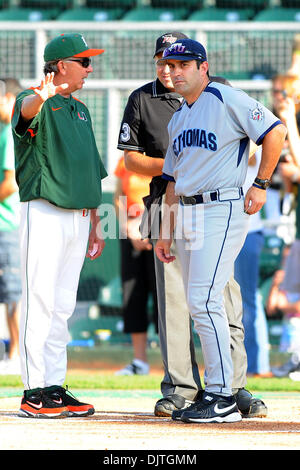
84,61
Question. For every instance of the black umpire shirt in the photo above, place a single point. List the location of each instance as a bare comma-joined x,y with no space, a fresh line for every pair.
144,125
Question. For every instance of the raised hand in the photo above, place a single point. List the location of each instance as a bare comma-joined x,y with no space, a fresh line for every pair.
32,104
47,89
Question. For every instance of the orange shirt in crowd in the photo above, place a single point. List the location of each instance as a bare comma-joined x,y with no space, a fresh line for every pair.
134,186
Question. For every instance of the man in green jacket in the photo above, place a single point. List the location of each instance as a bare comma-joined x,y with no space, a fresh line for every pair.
59,172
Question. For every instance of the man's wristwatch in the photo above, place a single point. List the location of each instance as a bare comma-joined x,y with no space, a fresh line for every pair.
261,184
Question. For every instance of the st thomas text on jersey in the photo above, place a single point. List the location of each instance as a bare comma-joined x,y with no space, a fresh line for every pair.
195,138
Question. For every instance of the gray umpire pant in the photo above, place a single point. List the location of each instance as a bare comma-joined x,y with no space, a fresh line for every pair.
181,374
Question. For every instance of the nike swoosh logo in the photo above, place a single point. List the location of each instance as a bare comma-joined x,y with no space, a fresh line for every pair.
59,402
35,405
223,410
56,109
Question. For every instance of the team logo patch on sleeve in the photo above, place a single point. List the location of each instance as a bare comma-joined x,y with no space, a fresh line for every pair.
256,114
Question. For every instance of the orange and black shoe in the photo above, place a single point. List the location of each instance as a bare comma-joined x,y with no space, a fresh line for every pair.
36,404
62,395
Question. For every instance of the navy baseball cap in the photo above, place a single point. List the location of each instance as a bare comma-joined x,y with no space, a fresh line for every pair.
166,40
185,49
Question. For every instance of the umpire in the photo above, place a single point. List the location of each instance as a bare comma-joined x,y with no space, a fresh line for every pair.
144,139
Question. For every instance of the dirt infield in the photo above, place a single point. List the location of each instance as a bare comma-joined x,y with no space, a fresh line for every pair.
124,420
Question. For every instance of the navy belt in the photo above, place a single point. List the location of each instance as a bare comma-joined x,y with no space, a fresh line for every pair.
198,198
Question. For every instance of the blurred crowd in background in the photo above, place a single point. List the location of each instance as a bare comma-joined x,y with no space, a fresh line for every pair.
273,293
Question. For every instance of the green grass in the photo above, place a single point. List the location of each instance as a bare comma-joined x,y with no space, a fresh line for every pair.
111,382
96,381
91,360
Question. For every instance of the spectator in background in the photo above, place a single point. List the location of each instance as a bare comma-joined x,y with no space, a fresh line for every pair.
137,265
286,104
294,72
284,299
284,294
10,280
247,275
285,93
294,69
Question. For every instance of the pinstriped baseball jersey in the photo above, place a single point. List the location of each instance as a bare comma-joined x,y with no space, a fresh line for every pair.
209,140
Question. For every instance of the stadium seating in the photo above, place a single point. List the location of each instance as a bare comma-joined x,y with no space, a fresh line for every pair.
4,4
109,4
290,3
242,4
278,14
27,14
190,4
220,14
90,14
45,4
156,14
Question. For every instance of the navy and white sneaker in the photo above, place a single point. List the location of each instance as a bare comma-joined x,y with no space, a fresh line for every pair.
212,409
177,414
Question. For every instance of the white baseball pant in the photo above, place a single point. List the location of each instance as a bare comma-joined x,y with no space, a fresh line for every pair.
53,246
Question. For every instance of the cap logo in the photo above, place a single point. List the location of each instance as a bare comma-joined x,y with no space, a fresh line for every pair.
186,49
84,41
170,39
177,48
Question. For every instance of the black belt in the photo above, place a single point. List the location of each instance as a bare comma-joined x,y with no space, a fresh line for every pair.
198,198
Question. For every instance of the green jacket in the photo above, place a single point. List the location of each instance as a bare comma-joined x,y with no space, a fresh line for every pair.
56,156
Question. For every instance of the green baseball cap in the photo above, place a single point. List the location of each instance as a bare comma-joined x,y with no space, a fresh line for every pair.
69,45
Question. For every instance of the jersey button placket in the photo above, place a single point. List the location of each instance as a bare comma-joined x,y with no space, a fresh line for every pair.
73,111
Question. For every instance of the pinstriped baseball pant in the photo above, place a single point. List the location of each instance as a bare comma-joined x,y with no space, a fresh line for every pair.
212,236
181,375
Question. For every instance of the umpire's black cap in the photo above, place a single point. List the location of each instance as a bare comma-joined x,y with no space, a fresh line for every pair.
166,40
